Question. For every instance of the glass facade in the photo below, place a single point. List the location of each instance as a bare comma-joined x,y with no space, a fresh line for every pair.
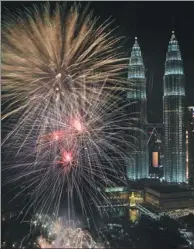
174,115
137,165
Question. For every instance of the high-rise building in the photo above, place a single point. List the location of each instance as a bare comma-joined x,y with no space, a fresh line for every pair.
137,165
190,144
174,115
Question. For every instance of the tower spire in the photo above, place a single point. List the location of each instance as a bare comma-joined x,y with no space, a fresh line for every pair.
136,52
136,42
173,37
173,22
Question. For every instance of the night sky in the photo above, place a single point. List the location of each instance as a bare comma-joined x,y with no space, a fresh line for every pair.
152,23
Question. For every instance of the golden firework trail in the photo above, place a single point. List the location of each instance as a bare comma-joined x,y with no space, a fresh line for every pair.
49,58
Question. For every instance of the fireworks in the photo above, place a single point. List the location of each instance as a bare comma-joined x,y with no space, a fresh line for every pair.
60,235
56,60
70,238
80,156
61,79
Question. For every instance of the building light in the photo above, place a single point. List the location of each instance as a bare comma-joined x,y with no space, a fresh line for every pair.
116,189
155,159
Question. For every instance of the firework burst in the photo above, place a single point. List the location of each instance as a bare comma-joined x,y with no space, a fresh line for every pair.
61,79
80,154
56,60
57,234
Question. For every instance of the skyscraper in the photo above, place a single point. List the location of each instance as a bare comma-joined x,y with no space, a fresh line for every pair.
190,145
137,166
174,115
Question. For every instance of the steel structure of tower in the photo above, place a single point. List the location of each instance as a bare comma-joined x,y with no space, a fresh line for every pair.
137,166
174,115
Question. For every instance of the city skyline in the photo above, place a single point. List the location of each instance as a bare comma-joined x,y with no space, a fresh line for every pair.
152,99
97,145
174,115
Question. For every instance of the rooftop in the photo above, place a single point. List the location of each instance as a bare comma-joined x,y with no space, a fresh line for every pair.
169,189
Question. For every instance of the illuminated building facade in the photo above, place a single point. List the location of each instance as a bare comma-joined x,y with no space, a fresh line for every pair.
190,145
122,202
137,165
122,195
117,195
174,115
117,203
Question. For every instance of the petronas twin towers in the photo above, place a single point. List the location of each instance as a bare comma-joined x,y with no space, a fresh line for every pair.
174,141
138,164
